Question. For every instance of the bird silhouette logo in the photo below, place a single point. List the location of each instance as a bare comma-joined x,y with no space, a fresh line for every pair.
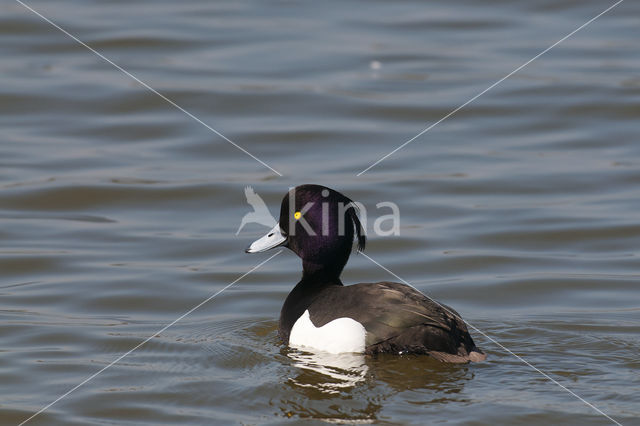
260,214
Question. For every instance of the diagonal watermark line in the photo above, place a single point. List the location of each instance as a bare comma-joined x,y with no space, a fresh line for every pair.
151,89
452,112
500,345
157,333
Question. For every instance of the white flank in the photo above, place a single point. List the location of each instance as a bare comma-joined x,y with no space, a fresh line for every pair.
338,336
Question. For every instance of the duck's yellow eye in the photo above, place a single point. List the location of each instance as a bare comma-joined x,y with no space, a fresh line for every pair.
297,215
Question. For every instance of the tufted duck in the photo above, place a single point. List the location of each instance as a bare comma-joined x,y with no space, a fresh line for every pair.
321,313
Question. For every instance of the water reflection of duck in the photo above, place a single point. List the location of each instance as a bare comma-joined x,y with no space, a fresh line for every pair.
333,372
334,388
322,313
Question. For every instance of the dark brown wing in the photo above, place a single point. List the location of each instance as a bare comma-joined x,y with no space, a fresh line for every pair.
398,319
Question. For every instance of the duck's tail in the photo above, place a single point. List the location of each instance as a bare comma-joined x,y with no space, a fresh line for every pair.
475,355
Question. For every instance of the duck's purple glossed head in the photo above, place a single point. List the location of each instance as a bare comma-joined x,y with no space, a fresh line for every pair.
319,225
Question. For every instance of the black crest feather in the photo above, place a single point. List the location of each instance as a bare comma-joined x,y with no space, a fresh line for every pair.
352,214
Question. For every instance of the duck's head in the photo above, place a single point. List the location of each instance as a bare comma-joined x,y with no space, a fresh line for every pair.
318,224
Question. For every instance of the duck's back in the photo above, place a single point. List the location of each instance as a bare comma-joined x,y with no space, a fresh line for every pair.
397,319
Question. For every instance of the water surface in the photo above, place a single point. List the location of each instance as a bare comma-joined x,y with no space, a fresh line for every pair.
118,212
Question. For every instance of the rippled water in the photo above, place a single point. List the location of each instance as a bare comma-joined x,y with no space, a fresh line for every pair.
118,212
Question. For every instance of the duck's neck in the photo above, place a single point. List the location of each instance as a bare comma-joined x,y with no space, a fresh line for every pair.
314,281
321,273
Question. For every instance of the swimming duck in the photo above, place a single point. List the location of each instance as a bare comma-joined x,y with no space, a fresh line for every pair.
319,225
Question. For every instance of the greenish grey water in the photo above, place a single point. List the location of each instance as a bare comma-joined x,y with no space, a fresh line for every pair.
118,213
